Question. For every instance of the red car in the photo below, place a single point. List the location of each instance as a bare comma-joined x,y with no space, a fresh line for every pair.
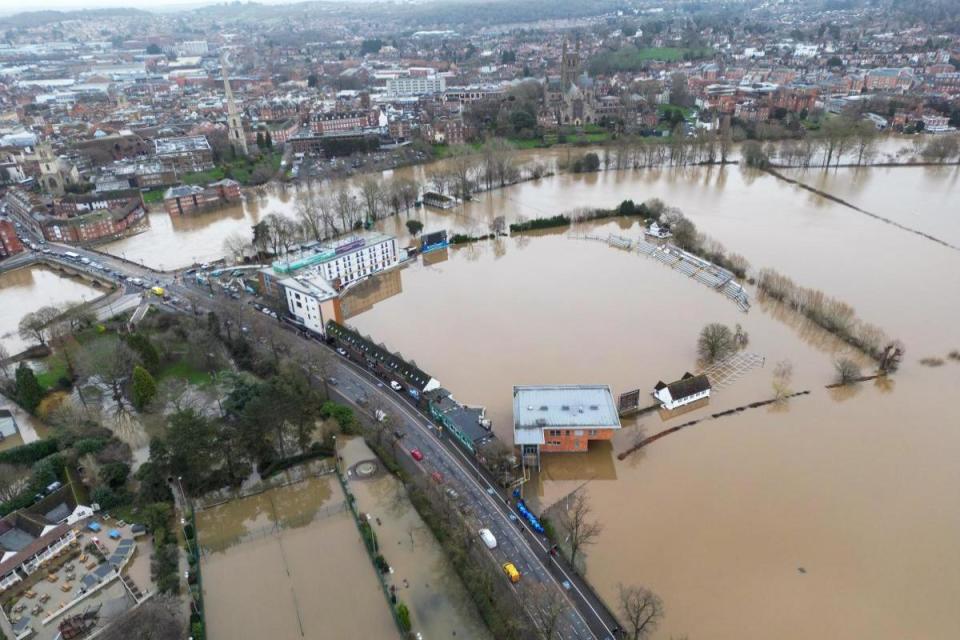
417,454
437,477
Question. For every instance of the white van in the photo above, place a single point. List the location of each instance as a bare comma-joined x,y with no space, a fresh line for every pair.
488,538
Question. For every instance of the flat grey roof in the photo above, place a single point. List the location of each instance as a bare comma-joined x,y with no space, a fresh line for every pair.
564,405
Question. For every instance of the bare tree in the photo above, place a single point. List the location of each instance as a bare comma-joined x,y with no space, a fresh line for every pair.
716,342
575,521
36,324
110,359
498,226
371,192
159,618
782,375
545,605
641,609
235,244
848,371
5,370
12,481
346,208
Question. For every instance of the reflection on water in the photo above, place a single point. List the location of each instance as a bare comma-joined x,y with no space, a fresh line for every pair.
364,295
292,506
27,289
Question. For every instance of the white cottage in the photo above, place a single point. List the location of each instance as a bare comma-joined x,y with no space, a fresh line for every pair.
687,389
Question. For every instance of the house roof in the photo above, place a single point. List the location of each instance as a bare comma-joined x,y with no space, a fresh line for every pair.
413,375
563,406
688,385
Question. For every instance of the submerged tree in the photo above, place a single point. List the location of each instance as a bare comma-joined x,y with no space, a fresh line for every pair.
716,342
575,520
642,611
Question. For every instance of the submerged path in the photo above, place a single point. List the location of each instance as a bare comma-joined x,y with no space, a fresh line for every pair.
841,201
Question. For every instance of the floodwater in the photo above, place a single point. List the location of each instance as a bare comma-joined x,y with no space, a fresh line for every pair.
27,289
289,563
841,503
439,604
922,198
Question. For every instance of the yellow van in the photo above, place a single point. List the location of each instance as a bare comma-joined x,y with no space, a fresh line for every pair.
511,572
158,291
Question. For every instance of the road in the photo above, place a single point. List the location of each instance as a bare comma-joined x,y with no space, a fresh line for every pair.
585,618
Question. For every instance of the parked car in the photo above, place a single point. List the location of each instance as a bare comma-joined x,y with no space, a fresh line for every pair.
488,538
437,477
332,381
511,570
342,351
395,385
416,454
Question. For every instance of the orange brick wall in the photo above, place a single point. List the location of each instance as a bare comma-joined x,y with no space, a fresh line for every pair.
567,439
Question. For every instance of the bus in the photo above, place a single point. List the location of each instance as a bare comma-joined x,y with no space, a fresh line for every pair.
70,255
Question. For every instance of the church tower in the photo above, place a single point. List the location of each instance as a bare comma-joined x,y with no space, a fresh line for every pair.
238,139
569,66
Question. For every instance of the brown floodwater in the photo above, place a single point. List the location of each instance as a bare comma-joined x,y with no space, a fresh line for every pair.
439,604
841,503
922,198
289,563
27,289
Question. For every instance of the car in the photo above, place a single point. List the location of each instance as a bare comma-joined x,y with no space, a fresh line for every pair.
511,570
416,454
332,381
362,401
395,385
342,351
437,477
398,434
488,538
265,311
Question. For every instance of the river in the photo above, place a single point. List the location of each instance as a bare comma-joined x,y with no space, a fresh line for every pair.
835,516
842,503
25,290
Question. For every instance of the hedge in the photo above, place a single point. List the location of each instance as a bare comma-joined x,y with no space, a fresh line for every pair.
29,453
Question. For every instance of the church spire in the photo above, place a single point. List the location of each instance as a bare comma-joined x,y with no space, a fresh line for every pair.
238,139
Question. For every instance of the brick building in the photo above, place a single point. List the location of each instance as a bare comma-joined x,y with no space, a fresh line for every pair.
189,199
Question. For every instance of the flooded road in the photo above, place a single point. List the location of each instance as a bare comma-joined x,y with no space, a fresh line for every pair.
289,563
27,289
842,502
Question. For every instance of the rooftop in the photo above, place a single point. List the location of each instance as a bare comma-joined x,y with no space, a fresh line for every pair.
564,406
185,144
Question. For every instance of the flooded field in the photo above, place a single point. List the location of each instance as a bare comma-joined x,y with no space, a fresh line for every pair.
923,198
289,563
439,604
842,502
27,289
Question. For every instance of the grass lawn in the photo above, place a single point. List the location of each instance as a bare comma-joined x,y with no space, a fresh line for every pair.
184,371
204,177
153,196
56,368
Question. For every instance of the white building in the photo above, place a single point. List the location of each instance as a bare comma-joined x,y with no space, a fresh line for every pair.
416,85
193,48
311,290
687,389
358,258
311,301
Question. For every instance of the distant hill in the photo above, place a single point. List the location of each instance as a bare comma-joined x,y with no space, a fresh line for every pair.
39,18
